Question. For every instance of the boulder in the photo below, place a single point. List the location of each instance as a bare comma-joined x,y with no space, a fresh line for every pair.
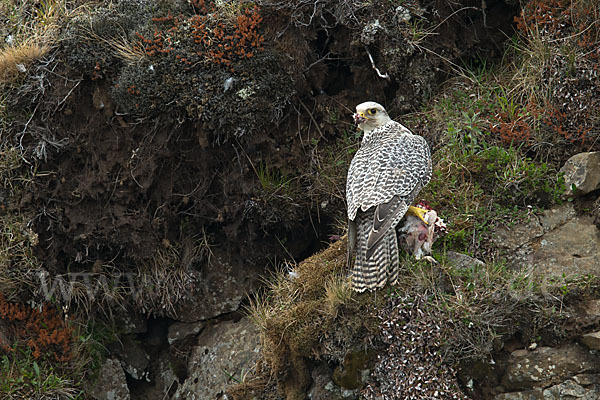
134,358
569,249
582,171
526,395
130,321
554,244
572,390
180,331
548,365
578,387
111,383
219,289
225,352
463,261
591,340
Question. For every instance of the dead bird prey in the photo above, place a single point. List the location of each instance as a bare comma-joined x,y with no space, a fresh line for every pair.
417,236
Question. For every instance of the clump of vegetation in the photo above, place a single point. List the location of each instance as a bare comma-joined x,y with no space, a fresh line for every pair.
204,62
41,332
307,312
555,69
42,355
480,180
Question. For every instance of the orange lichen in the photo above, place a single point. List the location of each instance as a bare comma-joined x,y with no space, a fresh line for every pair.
131,89
515,125
556,120
155,45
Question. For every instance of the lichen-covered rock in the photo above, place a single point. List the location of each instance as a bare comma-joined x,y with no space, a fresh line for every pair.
133,357
225,350
525,395
462,261
582,172
581,387
570,249
548,365
111,383
218,289
556,243
181,331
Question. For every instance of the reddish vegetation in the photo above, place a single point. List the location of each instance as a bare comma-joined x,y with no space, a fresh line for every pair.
43,332
155,45
514,126
574,25
219,42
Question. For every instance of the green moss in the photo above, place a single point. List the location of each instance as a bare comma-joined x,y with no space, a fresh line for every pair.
348,375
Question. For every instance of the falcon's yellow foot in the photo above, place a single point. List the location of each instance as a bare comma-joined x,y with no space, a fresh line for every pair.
418,212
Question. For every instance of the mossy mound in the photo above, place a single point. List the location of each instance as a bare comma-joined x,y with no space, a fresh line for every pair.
205,63
309,313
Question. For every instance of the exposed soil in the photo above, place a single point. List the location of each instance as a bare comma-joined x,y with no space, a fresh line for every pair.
124,186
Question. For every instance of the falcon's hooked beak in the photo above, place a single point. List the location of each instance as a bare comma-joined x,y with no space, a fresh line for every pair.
359,118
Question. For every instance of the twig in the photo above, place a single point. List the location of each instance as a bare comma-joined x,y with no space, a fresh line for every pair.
313,119
67,96
384,76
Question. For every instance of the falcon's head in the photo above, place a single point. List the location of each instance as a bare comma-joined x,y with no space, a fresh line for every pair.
370,115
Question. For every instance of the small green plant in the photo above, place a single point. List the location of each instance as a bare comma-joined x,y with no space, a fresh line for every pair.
272,179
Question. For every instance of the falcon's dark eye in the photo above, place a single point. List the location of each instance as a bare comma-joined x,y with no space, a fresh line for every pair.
372,111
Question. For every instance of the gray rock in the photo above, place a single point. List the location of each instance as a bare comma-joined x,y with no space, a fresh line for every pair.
591,340
111,383
131,321
224,353
526,395
572,389
587,379
183,330
558,216
220,289
164,376
583,171
463,261
579,387
323,387
547,365
513,237
133,358
555,244
569,249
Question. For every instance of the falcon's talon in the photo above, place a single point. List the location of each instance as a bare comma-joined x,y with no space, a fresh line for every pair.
418,212
431,260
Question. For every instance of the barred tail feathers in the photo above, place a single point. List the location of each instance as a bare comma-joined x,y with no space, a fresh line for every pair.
382,265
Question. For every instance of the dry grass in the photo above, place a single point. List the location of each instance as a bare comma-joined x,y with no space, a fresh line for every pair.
31,31
166,280
307,311
16,60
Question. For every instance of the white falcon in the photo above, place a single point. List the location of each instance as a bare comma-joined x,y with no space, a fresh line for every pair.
385,175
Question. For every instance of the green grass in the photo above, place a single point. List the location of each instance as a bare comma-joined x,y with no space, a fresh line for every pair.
480,180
